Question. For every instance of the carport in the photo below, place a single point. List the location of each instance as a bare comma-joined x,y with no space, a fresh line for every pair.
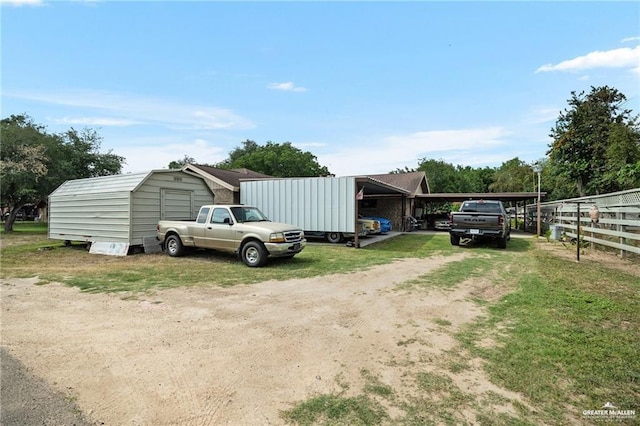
369,187
511,197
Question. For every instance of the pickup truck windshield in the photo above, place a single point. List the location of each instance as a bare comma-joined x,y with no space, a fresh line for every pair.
481,207
248,214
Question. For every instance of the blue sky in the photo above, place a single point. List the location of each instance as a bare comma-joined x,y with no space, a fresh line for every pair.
367,87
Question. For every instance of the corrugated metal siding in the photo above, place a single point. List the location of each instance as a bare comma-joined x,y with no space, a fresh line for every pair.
85,217
313,204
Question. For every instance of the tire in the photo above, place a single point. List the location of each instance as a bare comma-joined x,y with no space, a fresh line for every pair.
334,237
502,243
254,254
173,245
455,240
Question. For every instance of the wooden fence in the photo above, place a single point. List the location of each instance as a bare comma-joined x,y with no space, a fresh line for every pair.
610,220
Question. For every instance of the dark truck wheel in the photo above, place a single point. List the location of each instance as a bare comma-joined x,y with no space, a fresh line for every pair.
502,243
254,254
455,240
173,245
333,237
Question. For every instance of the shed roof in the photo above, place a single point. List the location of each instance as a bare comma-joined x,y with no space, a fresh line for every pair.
106,184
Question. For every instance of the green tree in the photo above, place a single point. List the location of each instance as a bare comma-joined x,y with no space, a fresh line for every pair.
555,183
474,179
274,159
183,162
622,165
34,162
513,176
581,138
442,176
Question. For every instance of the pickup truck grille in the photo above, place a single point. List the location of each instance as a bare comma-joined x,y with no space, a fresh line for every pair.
293,236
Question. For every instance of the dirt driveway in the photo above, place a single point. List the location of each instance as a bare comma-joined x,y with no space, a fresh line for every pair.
239,355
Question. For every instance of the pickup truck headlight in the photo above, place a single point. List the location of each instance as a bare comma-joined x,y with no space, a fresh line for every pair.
276,237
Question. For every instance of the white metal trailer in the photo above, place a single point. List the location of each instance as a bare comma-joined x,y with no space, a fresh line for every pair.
321,206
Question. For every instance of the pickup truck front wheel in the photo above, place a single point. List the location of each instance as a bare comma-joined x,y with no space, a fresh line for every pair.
254,254
455,240
173,245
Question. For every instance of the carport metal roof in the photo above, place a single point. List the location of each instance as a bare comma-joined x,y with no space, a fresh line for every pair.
504,196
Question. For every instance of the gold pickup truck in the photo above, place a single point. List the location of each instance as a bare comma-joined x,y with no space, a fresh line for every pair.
236,228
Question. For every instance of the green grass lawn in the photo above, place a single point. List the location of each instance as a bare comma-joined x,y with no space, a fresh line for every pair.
564,335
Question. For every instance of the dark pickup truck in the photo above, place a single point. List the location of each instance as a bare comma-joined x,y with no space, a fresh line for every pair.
480,220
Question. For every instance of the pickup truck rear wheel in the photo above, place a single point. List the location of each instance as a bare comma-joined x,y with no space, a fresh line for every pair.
455,240
254,254
173,245
502,243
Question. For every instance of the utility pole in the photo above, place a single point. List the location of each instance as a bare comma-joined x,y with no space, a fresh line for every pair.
538,169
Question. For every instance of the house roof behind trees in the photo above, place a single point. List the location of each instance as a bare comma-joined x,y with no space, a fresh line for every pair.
414,182
229,178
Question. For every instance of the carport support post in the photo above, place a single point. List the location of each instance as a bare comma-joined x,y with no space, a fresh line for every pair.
356,238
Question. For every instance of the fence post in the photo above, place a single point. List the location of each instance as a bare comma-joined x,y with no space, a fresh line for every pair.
622,228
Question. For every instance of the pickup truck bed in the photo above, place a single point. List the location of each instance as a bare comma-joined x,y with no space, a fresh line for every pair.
478,220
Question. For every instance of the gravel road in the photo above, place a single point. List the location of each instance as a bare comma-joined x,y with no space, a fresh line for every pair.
26,399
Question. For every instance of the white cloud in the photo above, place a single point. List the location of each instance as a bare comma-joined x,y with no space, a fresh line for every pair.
400,151
624,57
140,110
287,87
307,145
630,39
19,3
142,155
94,121
543,115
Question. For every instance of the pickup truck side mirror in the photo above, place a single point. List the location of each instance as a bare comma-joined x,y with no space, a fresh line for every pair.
228,221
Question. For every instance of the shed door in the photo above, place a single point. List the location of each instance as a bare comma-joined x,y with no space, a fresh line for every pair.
176,204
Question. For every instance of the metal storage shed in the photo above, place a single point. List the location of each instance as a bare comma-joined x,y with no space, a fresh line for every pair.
124,208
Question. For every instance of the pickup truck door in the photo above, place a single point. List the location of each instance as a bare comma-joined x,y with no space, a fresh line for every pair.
198,231
219,232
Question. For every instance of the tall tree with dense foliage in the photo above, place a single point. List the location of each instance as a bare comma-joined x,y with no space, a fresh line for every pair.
622,159
589,137
34,162
475,179
178,164
274,159
514,176
442,176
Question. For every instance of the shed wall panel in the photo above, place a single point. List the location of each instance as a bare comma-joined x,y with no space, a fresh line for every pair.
313,204
86,217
